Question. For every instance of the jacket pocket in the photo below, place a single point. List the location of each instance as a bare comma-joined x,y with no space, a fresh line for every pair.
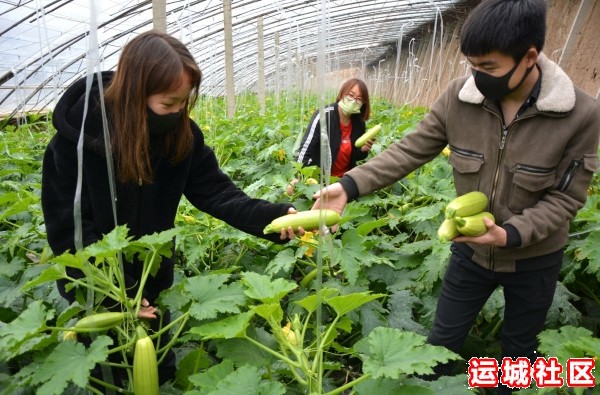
588,162
529,184
591,163
466,166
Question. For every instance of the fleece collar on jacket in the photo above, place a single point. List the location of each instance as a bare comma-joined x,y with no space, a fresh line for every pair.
557,93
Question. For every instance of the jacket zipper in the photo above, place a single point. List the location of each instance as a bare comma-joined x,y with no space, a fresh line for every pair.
505,130
465,152
532,169
568,177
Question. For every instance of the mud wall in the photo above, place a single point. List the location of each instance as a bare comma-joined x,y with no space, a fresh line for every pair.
427,62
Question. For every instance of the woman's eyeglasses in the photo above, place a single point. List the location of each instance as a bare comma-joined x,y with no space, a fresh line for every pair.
359,100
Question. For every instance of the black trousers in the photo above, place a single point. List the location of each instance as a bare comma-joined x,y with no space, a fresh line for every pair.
467,286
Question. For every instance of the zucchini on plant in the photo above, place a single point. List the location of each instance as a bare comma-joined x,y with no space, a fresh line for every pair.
145,365
304,219
99,322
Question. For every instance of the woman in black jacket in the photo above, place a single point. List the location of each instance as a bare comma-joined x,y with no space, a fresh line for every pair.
158,154
345,123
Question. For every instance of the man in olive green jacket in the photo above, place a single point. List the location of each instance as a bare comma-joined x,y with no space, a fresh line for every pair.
523,134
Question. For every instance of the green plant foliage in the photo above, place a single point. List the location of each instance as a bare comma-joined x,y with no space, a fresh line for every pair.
388,352
345,312
68,362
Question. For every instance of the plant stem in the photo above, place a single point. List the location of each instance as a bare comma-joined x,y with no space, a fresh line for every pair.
129,344
96,289
173,339
116,365
272,352
495,329
171,324
293,365
319,353
109,386
349,385
93,390
145,274
588,292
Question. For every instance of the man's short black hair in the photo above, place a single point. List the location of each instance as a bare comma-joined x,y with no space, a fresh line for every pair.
508,26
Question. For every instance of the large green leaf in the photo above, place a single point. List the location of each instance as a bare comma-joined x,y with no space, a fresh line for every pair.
385,386
270,311
346,303
392,353
569,342
16,333
193,362
401,305
159,239
19,205
52,273
208,380
562,311
352,256
210,296
283,262
450,385
246,380
228,328
242,352
70,260
590,250
266,290
68,362
311,302
111,244
8,292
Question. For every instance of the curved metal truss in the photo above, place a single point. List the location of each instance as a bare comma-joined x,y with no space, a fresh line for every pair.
44,44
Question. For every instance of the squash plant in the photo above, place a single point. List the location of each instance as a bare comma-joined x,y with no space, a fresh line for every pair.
244,316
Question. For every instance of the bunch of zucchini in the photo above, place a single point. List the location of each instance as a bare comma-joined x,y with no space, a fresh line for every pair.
464,216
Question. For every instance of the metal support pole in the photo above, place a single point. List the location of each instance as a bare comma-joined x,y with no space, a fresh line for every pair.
584,9
159,15
229,78
260,53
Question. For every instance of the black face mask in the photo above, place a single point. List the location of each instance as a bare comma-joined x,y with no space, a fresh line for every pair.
159,125
495,88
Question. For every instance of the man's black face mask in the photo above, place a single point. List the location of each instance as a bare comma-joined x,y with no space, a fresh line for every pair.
495,88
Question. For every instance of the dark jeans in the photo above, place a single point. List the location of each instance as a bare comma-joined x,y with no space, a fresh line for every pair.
467,286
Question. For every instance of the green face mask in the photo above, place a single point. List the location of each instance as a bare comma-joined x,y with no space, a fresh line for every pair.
349,106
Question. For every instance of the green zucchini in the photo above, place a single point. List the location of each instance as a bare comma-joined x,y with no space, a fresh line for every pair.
368,135
473,225
99,322
447,230
466,205
145,366
305,219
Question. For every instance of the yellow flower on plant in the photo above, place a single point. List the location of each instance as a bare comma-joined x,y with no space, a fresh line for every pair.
309,240
289,334
189,219
281,155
